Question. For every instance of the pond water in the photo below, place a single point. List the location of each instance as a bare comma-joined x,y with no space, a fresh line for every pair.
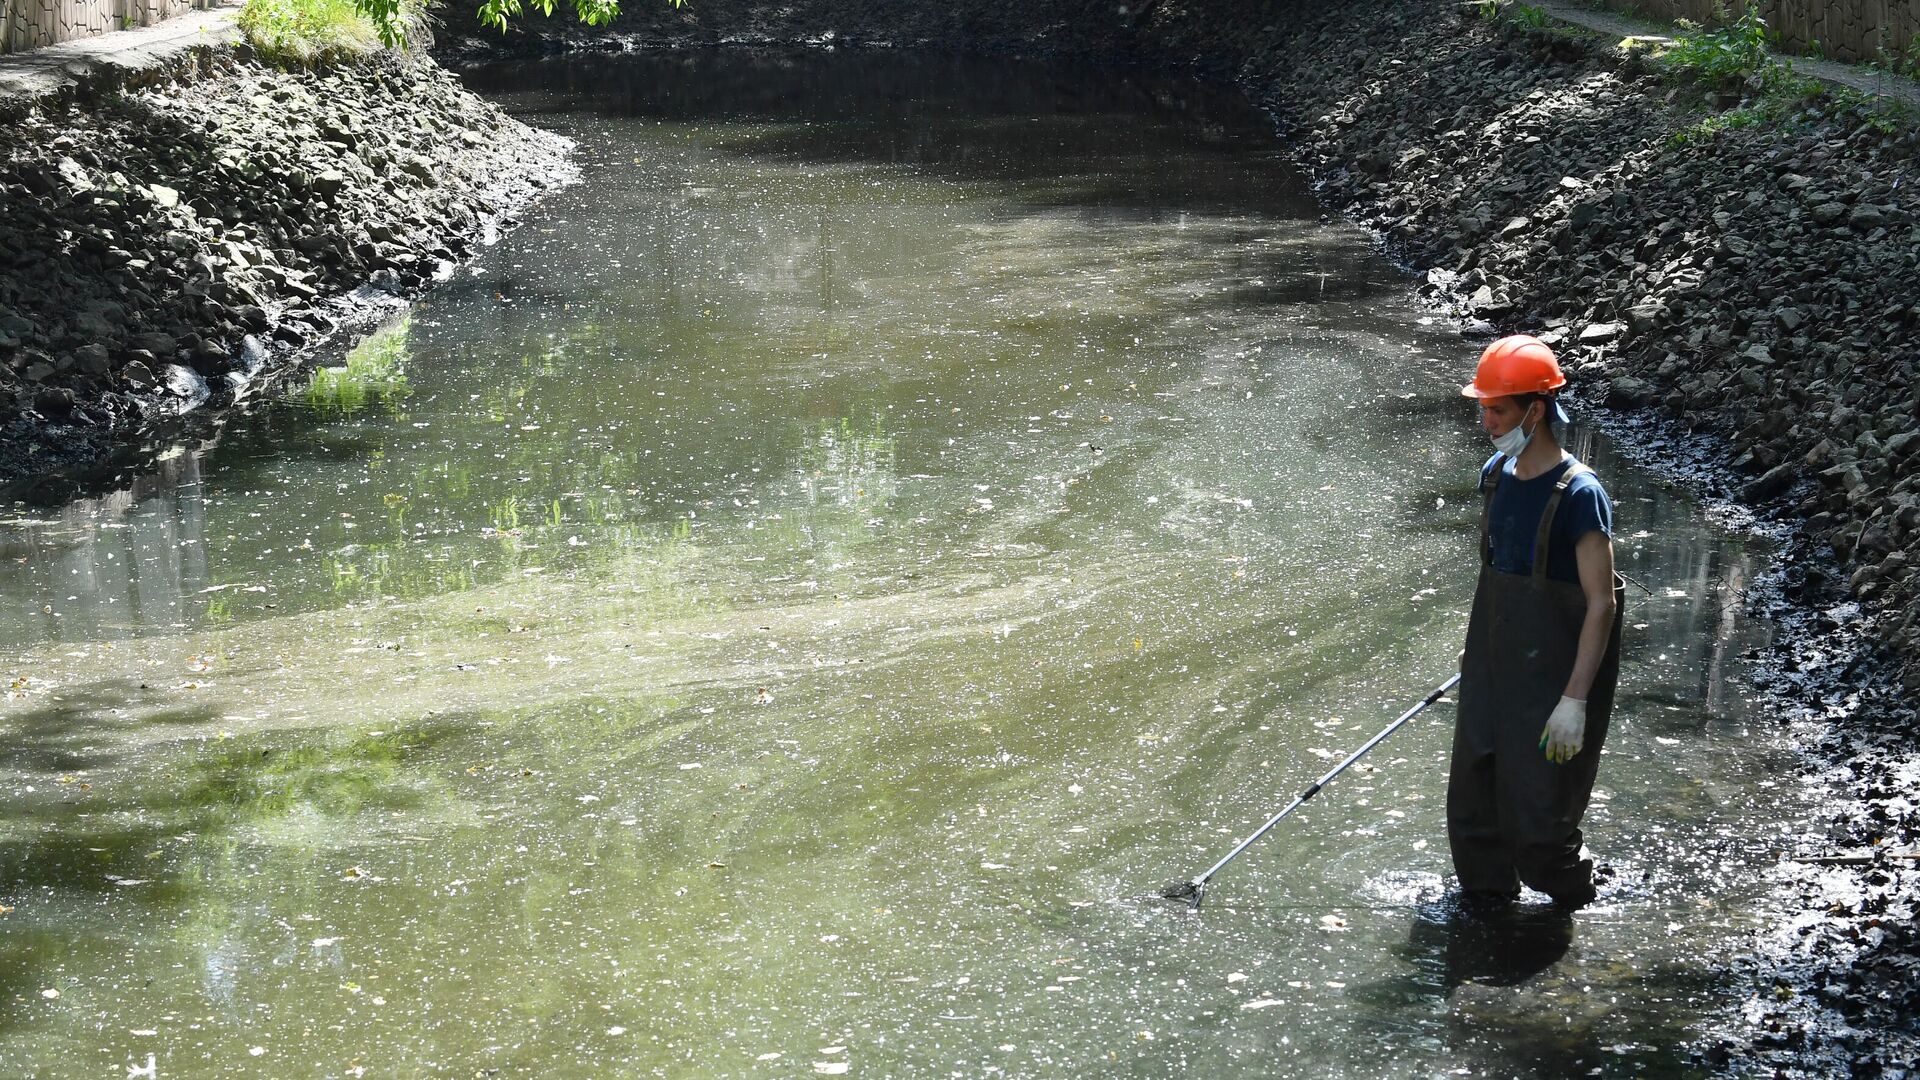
788,608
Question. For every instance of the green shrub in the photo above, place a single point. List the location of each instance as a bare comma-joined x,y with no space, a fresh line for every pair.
307,32
1739,50
1904,64
495,13
1530,15
1705,130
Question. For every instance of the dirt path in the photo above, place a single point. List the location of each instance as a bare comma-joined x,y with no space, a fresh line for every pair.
1866,80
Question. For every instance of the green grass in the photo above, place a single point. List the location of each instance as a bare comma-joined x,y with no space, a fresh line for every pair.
1528,15
1705,130
1905,65
307,32
1741,52
375,371
1883,114
1798,101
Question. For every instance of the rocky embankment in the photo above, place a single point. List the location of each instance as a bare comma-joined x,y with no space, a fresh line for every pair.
165,249
1735,276
1754,278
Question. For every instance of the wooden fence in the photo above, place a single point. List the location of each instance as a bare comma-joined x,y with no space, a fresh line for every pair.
1852,30
30,24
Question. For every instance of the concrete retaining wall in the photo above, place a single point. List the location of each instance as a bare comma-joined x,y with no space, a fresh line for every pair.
1850,30
31,24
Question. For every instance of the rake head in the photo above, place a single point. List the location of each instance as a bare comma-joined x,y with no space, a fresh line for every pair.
1190,893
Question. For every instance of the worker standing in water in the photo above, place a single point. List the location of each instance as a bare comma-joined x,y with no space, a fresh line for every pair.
1543,645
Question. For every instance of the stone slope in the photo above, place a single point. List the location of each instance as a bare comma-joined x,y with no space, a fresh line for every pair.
162,248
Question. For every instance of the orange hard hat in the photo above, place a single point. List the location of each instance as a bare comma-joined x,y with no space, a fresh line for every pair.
1515,365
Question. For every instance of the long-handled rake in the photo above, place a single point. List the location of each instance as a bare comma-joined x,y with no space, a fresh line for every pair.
1193,892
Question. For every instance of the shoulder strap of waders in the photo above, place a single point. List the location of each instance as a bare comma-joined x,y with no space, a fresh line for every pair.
1488,481
1541,539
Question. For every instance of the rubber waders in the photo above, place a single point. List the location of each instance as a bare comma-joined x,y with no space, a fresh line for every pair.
1513,817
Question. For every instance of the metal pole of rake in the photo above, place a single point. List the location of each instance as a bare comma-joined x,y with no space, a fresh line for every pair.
1193,892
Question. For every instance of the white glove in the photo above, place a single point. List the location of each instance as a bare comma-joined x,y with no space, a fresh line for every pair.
1566,731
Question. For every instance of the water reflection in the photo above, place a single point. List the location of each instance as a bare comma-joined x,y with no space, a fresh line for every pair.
373,372
1504,948
101,568
797,593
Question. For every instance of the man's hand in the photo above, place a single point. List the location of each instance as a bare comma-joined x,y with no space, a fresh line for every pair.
1566,731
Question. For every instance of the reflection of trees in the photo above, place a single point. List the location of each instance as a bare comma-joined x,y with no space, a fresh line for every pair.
108,565
1699,579
375,371
172,840
139,557
1708,616
846,467
1694,616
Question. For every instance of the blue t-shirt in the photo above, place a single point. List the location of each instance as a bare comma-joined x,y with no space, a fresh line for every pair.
1514,520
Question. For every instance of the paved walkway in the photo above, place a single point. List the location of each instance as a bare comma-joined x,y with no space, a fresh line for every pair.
1831,71
59,67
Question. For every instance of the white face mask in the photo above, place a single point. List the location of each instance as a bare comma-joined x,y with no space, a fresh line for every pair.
1516,439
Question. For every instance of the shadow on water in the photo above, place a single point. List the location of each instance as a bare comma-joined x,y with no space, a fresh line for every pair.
101,814
82,730
1452,946
1047,140
798,85
68,832
1513,1005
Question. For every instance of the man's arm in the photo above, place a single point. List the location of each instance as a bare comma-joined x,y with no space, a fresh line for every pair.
1593,553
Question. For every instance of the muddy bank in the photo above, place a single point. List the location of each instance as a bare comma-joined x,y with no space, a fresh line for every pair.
167,248
1733,279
